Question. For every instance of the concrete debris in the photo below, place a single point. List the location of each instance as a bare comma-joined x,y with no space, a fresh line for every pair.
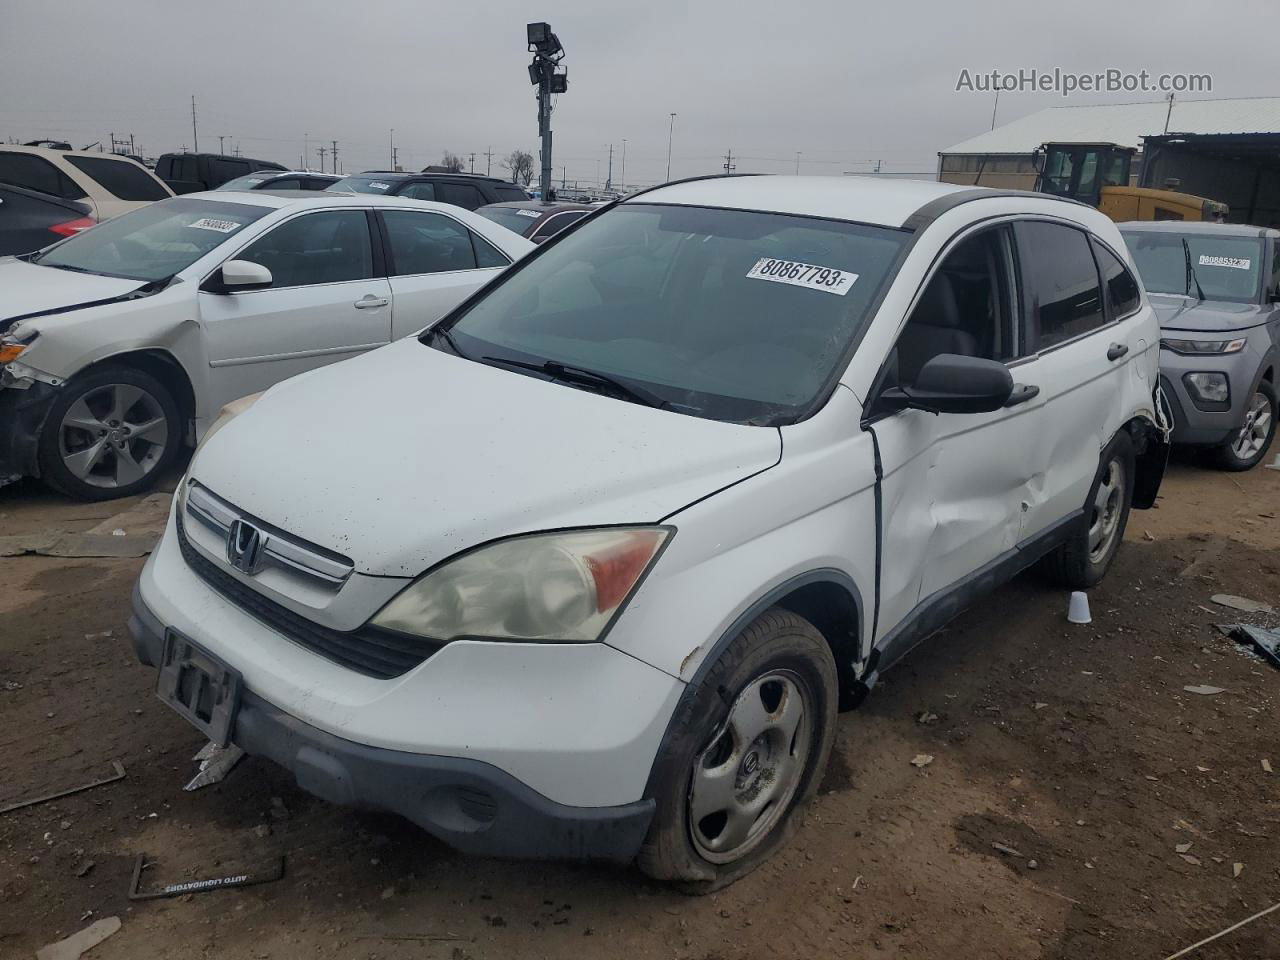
1266,765
133,533
1237,869
1190,858
1241,603
921,760
73,946
1006,850
1204,690
1182,847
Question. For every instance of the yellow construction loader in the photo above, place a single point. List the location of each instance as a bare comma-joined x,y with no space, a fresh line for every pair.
1098,174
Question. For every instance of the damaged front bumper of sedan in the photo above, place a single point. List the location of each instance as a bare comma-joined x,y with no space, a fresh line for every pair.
25,400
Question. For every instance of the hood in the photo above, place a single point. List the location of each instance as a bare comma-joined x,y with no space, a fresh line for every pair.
28,288
1207,316
402,457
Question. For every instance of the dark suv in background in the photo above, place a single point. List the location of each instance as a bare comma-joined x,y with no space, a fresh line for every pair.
189,172
468,190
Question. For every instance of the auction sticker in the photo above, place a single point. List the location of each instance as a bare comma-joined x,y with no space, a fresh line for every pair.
222,226
379,185
528,213
798,274
1234,262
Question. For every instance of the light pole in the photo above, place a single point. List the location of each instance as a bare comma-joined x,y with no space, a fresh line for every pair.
670,130
797,163
549,77
622,187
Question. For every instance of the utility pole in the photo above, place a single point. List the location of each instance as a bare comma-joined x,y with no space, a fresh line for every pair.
306,152
608,184
195,137
473,164
547,54
333,156
322,151
670,130
393,148
1168,114
488,164
995,106
564,175
622,186
797,163
221,137
729,165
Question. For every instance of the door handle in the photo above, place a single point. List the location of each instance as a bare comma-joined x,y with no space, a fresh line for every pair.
1117,350
369,300
1022,392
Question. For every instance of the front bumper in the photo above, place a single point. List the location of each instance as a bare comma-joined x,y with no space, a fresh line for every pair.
1192,422
471,805
22,414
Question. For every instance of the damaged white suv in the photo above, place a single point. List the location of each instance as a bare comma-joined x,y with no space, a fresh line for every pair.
588,569
119,344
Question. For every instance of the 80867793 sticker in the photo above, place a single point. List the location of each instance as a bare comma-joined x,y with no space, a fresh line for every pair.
797,274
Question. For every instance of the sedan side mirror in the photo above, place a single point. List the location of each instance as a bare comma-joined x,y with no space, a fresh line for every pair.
238,275
950,383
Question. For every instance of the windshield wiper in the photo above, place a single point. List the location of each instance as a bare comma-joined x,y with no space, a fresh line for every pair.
587,378
1191,273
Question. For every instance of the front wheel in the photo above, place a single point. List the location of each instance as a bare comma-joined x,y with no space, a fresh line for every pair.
1083,560
744,752
1249,445
110,433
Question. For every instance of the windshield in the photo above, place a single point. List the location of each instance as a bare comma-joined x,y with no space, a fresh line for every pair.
1227,268
513,218
248,182
723,314
360,185
152,243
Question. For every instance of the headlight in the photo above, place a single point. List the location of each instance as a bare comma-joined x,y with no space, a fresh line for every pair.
549,587
1201,347
1209,387
225,416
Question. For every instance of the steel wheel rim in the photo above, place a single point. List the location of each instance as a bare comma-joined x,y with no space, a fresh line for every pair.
745,778
1253,435
1108,502
113,435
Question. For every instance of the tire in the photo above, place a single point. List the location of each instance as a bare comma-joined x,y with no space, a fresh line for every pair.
110,433
1245,449
778,663
1082,561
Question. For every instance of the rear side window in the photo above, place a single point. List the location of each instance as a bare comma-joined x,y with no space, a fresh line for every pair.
1060,283
220,171
1123,296
460,195
183,168
487,255
419,191
427,243
121,178
328,247
37,173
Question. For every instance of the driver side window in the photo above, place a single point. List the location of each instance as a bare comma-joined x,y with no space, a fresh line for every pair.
966,308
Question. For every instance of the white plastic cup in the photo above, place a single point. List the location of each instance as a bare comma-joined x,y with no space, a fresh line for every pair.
1078,608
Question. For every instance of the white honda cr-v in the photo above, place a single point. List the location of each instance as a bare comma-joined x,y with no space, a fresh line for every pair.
588,569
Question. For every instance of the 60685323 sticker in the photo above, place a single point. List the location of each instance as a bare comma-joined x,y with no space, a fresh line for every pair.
221,226
809,275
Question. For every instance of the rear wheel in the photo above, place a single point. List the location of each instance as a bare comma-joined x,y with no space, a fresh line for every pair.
1249,445
110,433
744,752
1083,560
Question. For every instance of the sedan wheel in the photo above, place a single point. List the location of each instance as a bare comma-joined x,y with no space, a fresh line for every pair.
113,436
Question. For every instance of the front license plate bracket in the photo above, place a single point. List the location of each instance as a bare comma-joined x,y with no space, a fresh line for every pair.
199,686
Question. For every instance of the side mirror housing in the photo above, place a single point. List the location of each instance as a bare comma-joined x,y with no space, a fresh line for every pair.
235,276
949,383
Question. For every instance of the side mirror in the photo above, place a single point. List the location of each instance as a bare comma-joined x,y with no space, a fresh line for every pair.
949,383
238,275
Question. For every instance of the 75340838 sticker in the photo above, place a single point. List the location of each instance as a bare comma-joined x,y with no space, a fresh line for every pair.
528,213
809,275
222,226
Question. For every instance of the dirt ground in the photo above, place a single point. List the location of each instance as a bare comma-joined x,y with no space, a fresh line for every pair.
1075,747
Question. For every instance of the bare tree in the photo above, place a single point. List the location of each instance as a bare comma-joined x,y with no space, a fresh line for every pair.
520,163
451,162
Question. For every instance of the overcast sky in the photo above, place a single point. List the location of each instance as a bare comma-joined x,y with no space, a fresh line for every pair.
845,83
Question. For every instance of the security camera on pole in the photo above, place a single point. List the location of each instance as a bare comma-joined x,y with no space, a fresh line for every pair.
546,74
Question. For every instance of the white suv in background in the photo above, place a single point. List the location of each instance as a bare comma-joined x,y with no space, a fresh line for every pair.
108,183
586,569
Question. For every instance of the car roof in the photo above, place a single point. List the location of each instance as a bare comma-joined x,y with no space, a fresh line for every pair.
55,152
874,200
1182,226
551,206
423,175
279,199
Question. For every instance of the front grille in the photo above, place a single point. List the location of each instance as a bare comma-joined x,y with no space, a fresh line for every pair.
368,650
